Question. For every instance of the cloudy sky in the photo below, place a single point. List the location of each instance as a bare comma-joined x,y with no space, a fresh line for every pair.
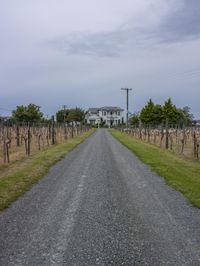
80,53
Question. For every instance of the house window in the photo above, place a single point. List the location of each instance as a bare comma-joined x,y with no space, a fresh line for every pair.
104,113
118,113
111,113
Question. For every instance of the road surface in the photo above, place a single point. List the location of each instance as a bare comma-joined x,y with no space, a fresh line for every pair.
100,206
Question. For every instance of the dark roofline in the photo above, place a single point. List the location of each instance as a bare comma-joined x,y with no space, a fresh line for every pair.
105,108
112,108
93,109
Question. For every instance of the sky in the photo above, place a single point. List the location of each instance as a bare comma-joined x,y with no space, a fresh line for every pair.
81,53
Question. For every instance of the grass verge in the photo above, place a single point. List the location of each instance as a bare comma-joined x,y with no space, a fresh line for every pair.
181,174
18,177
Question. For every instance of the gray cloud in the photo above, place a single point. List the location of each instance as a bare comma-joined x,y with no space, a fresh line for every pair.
181,24
98,44
102,44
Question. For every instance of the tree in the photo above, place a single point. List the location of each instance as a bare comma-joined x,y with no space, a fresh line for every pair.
170,113
29,113
61,115
157,114
134,119
188,116
147,113
76,115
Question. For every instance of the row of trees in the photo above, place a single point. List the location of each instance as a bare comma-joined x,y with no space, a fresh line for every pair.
32,113
151,114
155,114
69,115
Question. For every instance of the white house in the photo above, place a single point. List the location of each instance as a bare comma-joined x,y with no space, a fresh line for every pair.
110,115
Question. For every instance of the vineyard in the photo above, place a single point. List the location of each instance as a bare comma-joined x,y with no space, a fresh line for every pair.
184,141
20,140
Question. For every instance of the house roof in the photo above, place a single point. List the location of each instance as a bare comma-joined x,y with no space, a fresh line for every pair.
111,108
93,110
105,108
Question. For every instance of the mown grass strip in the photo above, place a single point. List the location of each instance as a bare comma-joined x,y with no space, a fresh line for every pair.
18,177
181,174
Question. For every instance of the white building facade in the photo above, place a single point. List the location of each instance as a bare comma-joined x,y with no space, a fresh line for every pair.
110,116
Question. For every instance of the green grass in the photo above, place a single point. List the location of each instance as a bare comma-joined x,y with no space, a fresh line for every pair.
18,177
181,174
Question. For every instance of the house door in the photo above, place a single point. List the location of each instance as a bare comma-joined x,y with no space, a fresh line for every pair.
111,122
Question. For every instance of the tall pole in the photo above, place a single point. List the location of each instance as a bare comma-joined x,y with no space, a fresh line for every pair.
127,103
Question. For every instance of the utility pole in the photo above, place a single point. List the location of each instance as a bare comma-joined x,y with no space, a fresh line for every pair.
127,102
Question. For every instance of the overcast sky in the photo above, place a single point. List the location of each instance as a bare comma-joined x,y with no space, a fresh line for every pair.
80,53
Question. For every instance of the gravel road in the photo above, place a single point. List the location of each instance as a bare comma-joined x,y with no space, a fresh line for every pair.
100,206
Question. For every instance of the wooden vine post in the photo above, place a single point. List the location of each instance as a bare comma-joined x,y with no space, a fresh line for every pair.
52,130
196,148
29,140
72,129
167,134
17,136
4,143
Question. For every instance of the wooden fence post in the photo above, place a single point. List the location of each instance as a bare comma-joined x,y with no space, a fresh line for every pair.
148,133
52,130
167,134
195,144
72,129
65,131
17,136
140,130
29,140
4,143
49,130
